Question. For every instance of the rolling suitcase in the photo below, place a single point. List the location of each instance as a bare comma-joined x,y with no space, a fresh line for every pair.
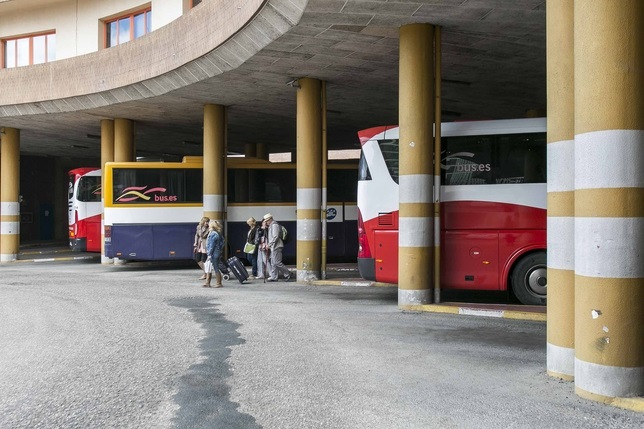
238,269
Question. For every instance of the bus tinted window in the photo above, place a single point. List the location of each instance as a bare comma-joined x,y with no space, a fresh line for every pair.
157,186
497,159
89,189
521,158
467,160
261,185
363,168
389,149
341,185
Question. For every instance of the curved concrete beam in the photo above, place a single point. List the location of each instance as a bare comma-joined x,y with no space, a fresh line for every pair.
216,37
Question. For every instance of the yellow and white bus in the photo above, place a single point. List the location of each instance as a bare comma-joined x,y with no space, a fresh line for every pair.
152,208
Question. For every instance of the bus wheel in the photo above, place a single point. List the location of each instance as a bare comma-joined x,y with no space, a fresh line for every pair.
528,279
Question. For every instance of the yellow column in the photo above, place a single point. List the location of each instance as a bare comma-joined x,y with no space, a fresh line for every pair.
609,199
561,187
9,194
416,222
437,165
309,179
262,151
250,150
124,150
214,161
107,155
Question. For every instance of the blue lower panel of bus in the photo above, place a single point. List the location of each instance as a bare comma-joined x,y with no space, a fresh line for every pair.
152,242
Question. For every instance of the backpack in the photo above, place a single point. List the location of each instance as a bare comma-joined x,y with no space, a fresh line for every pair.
284,234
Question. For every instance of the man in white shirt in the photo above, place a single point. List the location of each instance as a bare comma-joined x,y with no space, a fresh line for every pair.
275,244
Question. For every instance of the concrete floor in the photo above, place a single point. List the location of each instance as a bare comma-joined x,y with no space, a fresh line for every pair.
85,345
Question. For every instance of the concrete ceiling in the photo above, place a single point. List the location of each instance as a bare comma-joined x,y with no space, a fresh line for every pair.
493,67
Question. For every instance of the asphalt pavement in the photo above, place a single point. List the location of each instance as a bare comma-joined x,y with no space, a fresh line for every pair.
85,345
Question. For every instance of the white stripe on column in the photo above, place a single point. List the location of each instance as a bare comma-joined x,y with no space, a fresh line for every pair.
415,188
560,359
609,247
213,203
561,166
309,198
609,159
309,230
414,232
8,257
9,228
561,243
613,381
414,297
9,209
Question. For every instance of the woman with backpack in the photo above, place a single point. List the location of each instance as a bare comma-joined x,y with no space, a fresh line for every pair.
214,248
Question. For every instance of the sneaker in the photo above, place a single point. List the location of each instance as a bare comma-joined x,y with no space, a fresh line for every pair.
251,277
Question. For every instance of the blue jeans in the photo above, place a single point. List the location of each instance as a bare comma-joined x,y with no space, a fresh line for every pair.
252,257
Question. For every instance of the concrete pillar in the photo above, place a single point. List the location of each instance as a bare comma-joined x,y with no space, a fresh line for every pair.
214,161
107,155
561,187
124,149
609,199
9,194
250,150
309,179
261,151
416,114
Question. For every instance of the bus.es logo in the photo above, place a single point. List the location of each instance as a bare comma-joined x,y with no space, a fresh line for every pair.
134,193
457,162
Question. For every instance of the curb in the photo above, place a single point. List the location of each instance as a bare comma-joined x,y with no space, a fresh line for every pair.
356,283
61,259
477,311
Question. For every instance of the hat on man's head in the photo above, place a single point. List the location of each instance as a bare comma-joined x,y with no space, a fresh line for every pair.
251,220
268,216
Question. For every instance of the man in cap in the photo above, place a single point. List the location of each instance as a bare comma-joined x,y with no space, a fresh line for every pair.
275,244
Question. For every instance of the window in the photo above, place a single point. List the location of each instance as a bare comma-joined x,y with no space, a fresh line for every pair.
495,159
157,185
89,189
389,149
28,50
128,27
262,185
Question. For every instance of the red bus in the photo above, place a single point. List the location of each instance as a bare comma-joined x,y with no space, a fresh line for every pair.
493,206
84,209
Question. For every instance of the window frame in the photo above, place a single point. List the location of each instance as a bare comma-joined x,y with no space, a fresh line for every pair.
108,21
30,36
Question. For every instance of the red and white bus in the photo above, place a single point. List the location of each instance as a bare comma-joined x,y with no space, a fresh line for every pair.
493,206
84,209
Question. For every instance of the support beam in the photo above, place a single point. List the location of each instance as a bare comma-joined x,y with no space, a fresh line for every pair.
309,179
9,194
107,155
561,187
416,113
124,149
214,162
609,199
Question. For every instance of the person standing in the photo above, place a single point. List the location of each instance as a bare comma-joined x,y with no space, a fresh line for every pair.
263,263
199,245
275,245
250,245
214,248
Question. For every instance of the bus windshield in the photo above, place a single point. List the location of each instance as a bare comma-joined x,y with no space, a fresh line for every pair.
89,189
